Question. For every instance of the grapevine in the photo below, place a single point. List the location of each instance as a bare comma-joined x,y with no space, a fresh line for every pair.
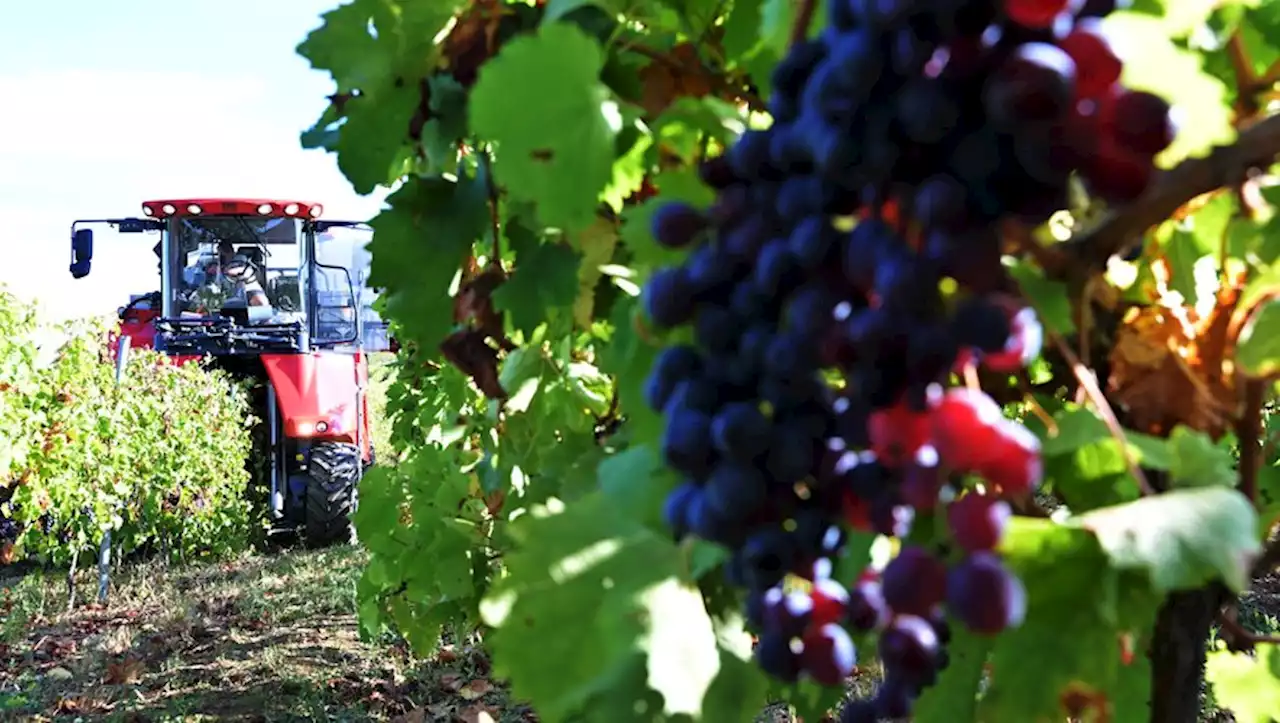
752,348
156,461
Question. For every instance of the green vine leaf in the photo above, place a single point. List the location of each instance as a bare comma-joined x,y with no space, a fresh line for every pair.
1248,686
418,245
541,103
955,696
1181,539
1071,585
344,46
1198,462
601,565
1258,351
370,146
543,286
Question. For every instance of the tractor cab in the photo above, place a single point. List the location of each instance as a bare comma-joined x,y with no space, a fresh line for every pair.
246,276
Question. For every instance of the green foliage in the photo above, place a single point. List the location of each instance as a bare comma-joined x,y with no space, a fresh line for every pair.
158,460
1252,684
529,145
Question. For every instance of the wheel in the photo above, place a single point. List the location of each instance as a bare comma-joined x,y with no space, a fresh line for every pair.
333,475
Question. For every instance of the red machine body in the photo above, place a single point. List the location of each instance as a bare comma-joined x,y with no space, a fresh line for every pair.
321,395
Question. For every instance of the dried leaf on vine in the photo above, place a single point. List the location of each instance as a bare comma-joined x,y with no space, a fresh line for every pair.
474,304
471,354
1081,702
660,88
679,74
1168,367
474,39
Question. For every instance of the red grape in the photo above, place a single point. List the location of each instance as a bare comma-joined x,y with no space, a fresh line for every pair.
984,595
909,645
856,512
1035,84
830,601
897,433
1026,338
978,521
1116,173
1139,121
1035,13
1017,467
867,609
1098,67
676,225
963,423
921,484
914,581
788,612
828,655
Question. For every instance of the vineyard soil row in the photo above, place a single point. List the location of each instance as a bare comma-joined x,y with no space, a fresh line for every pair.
266,638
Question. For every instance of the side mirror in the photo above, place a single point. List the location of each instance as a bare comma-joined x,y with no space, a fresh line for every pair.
81,252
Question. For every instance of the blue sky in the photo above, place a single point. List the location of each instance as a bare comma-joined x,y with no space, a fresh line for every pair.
109,104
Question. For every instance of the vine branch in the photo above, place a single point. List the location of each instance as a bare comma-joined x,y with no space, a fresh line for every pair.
1249,433
1089,383
1225,166
1237,637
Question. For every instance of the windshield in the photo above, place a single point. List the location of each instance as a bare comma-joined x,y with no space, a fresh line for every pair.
242,267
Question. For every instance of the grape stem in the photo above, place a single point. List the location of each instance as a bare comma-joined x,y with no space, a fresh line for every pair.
1249,433
491,186
804,16
1246,99
1237,637
1225,166
1089,383
1268,79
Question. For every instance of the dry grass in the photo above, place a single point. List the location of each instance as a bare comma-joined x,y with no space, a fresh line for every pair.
260,639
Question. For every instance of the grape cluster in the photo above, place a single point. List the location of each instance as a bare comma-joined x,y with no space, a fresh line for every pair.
848,270
8,529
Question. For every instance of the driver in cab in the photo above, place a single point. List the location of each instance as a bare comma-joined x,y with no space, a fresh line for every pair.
237,270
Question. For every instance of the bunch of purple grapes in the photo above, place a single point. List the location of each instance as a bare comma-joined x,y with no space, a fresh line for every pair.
903,138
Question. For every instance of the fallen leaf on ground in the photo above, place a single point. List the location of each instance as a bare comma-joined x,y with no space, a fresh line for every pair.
414,716
441,711
475,689
451,681
124,672
478,714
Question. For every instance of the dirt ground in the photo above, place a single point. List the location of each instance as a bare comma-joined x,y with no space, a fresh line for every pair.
268,638
260,639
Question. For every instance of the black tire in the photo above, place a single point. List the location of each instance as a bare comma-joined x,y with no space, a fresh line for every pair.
333,475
